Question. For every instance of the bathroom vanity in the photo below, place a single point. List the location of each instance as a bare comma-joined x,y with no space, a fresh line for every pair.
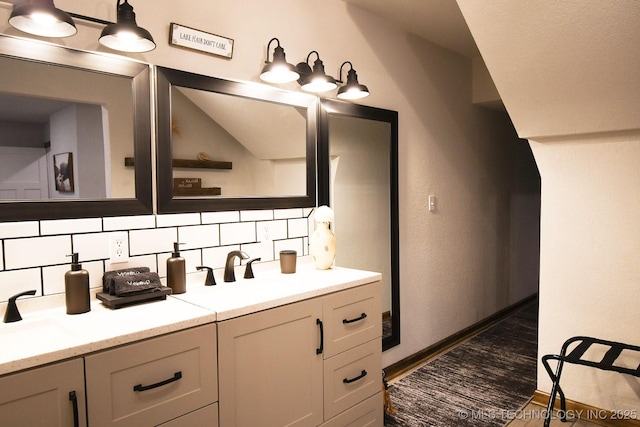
299,349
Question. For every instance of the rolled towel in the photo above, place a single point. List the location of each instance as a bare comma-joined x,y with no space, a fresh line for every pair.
135,284
108,275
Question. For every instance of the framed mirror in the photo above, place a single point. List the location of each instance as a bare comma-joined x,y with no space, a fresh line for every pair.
68,120
358,164
226,145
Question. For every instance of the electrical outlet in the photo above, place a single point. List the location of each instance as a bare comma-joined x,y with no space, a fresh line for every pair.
118,248
265,234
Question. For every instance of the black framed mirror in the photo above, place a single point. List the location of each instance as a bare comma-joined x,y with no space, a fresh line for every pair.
227,145
358,178
68,120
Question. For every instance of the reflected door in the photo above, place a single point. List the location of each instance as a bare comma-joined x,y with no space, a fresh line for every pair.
23,173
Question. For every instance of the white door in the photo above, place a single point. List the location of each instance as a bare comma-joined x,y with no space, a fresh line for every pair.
23,173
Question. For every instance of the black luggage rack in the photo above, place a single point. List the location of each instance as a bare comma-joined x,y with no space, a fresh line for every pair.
575,357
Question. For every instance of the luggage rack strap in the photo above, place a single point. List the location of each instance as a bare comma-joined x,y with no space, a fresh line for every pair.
575,357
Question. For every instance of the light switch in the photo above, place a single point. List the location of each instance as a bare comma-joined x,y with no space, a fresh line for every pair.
432,203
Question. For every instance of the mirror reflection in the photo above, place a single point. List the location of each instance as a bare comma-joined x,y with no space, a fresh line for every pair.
48,110
261,146
233,145
68,121
362,190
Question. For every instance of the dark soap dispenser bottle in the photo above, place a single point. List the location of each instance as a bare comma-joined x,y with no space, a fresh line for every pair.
176,272
76,287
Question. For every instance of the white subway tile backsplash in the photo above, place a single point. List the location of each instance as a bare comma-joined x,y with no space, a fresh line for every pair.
297,227
53,277
33,254
272,230
36,251
192,259
68,226
262,250
289,244
175,220
199,236
287,213
266,215
216,257
138,261
220,217
91,246
19,229
235,233
14,282
142,242
136,222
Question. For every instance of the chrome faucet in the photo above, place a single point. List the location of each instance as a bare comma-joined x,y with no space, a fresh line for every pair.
229,272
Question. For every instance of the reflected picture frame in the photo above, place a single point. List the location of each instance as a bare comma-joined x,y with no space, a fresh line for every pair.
63,172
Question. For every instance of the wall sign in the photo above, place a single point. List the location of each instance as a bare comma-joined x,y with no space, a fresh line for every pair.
193,39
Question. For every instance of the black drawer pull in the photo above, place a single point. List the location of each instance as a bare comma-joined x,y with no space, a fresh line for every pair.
362,317
74,403
321,348
359,377
141,387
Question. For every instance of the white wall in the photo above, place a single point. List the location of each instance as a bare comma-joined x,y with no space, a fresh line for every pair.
568,75
455,262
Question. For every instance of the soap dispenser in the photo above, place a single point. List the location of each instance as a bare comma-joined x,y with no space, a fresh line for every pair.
176,272
76,287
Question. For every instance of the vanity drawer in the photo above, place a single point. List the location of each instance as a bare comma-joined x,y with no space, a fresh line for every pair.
351,377
153,381
352,317
369,413
203,417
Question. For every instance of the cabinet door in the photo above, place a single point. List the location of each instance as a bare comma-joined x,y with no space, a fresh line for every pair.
44,397
270,368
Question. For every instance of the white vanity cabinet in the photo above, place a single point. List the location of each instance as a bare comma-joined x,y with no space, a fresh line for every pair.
309,363
170,380
49,396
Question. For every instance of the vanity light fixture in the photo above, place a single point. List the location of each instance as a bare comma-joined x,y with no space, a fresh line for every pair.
278,70
353,89
42,18
316,80
125,35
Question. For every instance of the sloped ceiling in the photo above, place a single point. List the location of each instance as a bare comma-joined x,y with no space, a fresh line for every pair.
438,21
562,67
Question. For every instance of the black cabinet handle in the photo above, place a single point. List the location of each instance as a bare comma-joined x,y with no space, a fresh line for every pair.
362,317
74,404
321,348
141,387
359,377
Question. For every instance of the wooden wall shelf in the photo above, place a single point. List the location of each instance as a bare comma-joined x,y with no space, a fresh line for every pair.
205,191
188,163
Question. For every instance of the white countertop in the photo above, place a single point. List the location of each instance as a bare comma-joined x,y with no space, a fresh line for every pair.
47,334
270,288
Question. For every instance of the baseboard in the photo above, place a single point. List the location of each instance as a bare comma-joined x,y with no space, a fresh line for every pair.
589,413
441,346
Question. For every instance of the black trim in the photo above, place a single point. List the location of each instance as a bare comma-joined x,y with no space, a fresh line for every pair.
167,77
329,107
140,74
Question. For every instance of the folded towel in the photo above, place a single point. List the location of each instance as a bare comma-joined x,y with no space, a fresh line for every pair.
135,284
108,275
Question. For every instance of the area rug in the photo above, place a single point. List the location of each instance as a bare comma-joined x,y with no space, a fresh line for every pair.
481,382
